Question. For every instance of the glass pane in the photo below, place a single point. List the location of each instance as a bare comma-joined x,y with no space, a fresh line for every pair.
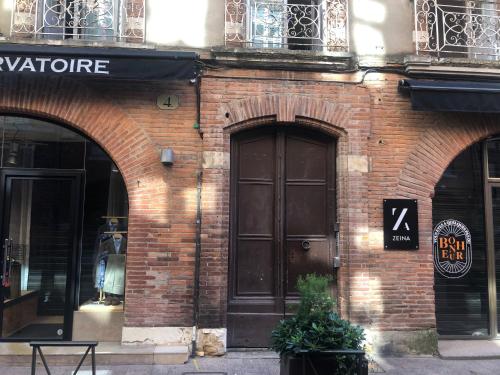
83,19
105,211
493,158
462,303
29,143
41,231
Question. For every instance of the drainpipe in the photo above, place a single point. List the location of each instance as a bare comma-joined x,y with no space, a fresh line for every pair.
196,294
197,87
196,290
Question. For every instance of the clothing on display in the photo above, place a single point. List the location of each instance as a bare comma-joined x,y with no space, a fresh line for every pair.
114,280
109,265
100,274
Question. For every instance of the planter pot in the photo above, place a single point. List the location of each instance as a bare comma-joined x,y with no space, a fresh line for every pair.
323,363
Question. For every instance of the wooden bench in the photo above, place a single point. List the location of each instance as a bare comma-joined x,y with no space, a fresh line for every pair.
37,347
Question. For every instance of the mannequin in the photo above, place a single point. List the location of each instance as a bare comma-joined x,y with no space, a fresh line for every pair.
109,266
114,278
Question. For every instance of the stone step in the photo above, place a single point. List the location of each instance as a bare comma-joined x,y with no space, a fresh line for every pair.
469,349
107,353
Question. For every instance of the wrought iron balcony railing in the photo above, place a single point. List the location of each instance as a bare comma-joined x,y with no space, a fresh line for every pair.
320,25
79,19
453,28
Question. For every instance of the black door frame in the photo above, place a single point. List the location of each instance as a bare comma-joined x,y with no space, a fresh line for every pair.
490,182
73,276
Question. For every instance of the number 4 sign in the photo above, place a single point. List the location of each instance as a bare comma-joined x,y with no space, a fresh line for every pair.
167,101
400,224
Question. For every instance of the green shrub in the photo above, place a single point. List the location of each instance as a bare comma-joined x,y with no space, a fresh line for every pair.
316,326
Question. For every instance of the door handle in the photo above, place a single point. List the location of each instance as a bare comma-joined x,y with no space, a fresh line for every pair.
306,245
9,259
4,260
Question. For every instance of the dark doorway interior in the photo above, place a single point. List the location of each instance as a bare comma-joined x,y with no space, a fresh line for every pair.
462,303
469,191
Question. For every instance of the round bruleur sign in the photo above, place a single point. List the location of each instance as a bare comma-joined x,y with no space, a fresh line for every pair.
452,249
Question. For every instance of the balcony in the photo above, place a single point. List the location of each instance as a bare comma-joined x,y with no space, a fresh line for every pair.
317,25
459,29
96,20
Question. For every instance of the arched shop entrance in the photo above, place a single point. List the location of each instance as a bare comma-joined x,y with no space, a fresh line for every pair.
466,244
63,222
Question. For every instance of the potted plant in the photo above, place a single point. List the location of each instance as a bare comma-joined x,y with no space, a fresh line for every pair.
316,341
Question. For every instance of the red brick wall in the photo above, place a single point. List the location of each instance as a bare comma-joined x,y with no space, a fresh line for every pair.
407,153
124,119
230,105
410,150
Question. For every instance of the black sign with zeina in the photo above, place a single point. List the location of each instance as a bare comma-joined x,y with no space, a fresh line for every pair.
400,224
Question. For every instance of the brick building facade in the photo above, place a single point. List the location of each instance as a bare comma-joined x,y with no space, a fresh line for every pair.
386,150
329,122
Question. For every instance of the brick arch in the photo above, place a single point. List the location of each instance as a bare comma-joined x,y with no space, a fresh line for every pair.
80,107
74,104
435,151
323,115
329,117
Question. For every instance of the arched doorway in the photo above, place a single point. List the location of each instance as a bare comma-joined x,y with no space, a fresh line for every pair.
283,217
63,222
466,243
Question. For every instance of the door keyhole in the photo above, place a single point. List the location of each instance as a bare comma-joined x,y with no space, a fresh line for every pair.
306,245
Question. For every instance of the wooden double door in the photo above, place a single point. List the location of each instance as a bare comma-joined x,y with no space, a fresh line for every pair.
283,218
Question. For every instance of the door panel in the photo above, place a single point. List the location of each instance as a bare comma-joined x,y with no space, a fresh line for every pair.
282,207
256,214
51,238
40,230
306,209
309,216
306,159
300,261
255,272
257,158
254,300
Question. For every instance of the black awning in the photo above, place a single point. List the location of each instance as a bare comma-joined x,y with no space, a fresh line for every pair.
452,96
97,62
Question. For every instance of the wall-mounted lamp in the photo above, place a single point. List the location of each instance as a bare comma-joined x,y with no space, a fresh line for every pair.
167,156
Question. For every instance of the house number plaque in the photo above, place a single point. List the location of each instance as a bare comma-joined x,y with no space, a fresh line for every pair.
167,102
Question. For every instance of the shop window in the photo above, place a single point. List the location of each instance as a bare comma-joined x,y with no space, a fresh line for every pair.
65,226
493,147
462,303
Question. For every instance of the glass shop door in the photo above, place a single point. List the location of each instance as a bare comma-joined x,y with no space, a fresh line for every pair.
40,235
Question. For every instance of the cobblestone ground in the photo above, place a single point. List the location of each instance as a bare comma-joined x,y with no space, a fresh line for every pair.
267,364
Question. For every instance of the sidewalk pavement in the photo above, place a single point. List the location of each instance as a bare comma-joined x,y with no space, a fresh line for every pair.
266,363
